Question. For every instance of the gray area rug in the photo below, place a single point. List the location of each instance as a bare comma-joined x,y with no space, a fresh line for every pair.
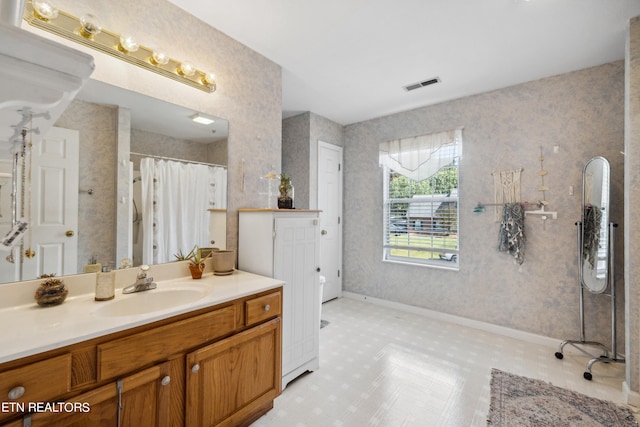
520,401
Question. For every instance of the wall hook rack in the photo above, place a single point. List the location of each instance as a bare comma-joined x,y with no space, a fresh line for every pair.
542,213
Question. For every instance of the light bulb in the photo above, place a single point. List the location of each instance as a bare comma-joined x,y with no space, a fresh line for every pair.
209,79
44,10
90,26
186,69
128,44
159,57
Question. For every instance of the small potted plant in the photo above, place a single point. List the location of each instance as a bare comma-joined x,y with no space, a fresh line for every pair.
285,199
196,261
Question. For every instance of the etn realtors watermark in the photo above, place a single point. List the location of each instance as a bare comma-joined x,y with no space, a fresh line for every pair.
55,407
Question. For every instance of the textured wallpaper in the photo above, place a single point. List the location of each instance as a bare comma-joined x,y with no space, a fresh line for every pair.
632,207
295,156
582,113
300,136
165,146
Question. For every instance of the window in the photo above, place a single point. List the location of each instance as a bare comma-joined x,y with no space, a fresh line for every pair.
421,198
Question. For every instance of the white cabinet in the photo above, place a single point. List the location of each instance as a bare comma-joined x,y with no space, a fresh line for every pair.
218,228
285,245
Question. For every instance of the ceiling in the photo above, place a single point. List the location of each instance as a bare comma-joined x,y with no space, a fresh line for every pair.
348,60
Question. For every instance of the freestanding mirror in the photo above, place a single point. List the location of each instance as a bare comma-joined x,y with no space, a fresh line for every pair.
596,241
594,266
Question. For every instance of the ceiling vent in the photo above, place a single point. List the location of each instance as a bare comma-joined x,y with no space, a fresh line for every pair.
414,86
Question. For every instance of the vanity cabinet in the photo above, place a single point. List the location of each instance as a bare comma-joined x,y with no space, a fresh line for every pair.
217,366
231,381
284,244
142,399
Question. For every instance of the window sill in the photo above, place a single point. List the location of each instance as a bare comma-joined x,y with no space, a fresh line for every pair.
437,266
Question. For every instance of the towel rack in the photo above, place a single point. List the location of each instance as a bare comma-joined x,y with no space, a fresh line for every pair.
544,214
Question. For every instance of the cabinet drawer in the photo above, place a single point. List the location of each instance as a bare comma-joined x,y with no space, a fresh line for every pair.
41,381
262,308
123,355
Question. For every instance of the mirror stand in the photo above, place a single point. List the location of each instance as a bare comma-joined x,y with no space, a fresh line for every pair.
607,354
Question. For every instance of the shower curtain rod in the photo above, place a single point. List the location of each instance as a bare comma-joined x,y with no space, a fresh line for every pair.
175,160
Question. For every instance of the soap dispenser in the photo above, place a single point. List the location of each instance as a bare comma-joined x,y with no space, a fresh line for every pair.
105,285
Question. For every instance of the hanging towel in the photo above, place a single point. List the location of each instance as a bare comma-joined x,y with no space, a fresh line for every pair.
511,237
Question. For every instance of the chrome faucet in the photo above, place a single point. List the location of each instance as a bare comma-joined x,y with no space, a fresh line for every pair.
143,283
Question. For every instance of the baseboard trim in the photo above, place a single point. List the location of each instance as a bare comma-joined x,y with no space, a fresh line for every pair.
444,317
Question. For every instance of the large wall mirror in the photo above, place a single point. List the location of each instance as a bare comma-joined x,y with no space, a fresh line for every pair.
107,124
596,213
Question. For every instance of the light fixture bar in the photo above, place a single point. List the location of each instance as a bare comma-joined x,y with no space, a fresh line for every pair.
70,27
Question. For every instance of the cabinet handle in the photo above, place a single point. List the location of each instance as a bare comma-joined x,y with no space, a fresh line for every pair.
16,392
267,307
195,368
166,380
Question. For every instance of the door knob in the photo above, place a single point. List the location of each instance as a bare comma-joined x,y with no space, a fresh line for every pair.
323,232
69,233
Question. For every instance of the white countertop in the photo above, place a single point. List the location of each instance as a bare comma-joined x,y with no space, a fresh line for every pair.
30,329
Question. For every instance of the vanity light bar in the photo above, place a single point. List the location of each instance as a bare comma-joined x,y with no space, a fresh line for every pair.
73,28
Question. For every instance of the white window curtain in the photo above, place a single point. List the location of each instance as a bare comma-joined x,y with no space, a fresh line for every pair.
420,157
175,203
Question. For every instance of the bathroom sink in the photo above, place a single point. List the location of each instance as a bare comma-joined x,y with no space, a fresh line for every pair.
149,301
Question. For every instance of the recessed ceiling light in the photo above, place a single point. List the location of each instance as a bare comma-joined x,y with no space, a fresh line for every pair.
202,119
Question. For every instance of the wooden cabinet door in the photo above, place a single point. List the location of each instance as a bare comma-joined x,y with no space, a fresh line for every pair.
144,399
234,380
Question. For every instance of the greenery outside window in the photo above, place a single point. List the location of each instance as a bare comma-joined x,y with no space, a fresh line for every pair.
421,199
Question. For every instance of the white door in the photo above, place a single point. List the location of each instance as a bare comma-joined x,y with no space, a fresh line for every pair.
53,222
330,203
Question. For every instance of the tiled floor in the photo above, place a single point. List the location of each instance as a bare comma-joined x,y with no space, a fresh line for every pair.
384,367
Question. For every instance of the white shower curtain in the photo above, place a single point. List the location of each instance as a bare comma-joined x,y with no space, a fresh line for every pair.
175,202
